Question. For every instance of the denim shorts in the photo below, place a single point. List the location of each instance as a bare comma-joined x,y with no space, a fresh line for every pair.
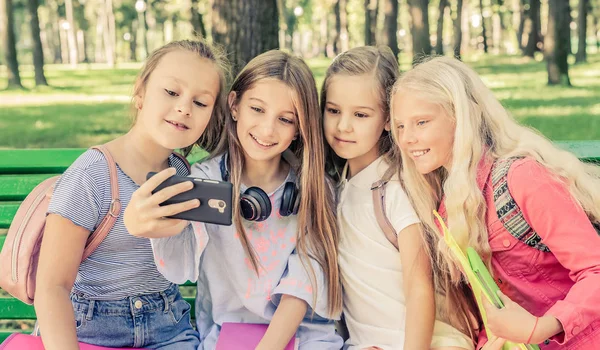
157,321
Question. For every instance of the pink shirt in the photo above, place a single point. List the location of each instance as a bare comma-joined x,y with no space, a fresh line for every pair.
565,282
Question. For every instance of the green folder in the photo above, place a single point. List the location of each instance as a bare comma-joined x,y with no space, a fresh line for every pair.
480,280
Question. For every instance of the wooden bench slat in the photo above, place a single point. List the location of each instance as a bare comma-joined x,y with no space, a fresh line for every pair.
7,212
14,309
585,150
52,160
10,308
37,161
17,187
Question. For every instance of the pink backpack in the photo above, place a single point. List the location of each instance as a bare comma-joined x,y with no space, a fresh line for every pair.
20,253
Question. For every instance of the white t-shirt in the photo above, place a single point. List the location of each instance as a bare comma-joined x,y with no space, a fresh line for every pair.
371,270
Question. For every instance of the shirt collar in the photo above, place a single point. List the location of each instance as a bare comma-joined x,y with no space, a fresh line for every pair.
366,177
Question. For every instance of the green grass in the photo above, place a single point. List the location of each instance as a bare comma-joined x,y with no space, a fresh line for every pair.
90,105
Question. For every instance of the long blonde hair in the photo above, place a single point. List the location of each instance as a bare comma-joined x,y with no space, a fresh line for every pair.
317,234
483,128
202,49
379,62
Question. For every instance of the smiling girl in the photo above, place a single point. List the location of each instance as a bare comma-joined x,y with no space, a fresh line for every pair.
117,297
277,265
389,299
525,206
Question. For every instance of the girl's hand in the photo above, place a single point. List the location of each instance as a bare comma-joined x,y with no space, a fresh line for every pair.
512,322
143,217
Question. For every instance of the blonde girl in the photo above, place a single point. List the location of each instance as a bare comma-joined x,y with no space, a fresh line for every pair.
458,145
389,299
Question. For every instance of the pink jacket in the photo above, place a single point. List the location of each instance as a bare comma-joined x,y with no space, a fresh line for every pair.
564,282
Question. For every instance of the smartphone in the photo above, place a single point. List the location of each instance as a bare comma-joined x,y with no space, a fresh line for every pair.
215,199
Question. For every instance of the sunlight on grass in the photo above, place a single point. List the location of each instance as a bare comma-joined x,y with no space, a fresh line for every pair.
90,105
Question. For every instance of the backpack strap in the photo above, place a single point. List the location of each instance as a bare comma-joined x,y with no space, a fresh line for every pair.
507,209
114,211
378,191
183,159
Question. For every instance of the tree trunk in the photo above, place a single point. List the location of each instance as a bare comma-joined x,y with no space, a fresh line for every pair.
9,43
246,28
38,52
582,31
110,34
499,24
523,14
72,41
338,28
556,43
344,33
531,29
419,28
597,32
390,24
483,27
457,35
133,41
197,20
371,10
439,41
340,44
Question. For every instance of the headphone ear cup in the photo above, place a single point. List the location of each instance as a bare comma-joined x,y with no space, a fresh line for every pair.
296,201
255,204
288,199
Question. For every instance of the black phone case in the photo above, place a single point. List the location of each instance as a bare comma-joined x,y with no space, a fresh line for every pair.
212,194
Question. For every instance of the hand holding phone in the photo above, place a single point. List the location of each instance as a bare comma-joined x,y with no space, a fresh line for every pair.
143,216
215,199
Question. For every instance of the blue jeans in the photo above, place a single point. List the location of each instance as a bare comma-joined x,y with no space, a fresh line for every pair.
157,321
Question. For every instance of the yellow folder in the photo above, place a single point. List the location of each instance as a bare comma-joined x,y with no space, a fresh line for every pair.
480,280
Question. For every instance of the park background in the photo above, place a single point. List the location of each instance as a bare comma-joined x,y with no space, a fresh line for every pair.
67,67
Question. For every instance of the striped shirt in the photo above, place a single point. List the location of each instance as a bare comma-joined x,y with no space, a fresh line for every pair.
122,265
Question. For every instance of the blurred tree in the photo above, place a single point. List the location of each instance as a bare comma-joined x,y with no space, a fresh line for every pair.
457,24
582,30
439,40
69,27
8,41
38,52
419,28
246,28
531,32
110,35
197,20
371,12
127,23
390,25
340,44
556,42
595,15
483,27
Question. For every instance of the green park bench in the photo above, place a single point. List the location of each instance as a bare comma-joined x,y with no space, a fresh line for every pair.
21,170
